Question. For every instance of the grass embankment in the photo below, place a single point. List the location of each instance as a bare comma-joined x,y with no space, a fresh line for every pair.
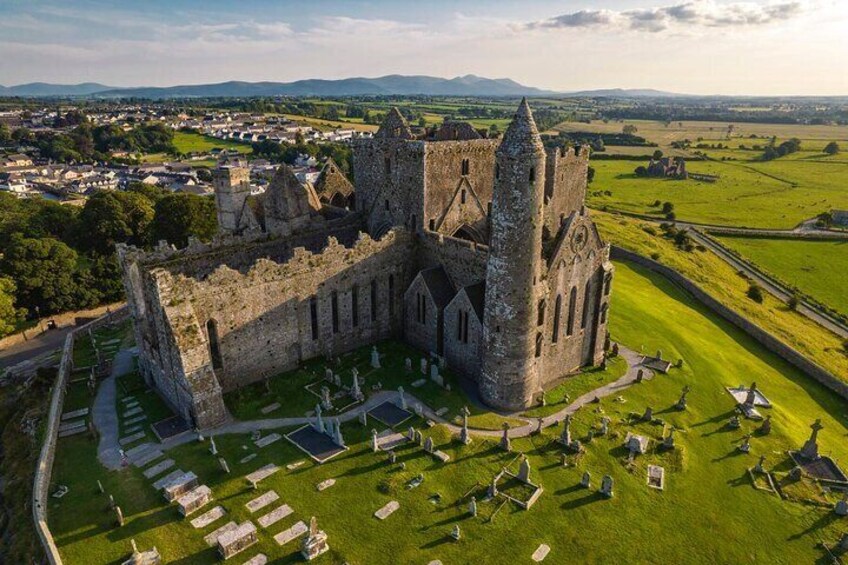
188,142
816,268
719,279
708,513
288,388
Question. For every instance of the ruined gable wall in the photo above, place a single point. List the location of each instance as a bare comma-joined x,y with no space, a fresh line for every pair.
575,266
565,184
389,179
464,357
464,261
423,336
263,316
443,173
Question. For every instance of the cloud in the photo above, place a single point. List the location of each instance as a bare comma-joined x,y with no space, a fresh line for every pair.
696,13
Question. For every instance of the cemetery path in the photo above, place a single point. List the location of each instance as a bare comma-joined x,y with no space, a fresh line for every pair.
104,413
633,359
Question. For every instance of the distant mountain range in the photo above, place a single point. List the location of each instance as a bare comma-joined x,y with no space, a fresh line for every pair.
398,85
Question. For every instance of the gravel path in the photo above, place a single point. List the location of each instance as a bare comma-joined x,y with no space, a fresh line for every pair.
104,413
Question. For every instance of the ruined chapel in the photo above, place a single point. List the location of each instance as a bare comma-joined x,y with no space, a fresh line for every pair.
479,251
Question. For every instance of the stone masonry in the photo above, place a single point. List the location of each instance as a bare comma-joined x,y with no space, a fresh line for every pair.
476,249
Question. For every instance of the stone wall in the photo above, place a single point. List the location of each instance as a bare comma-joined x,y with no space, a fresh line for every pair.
565,184
44,465
463,349
763,337
423,334
463,260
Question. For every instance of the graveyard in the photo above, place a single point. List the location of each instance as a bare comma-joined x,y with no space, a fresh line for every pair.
722,489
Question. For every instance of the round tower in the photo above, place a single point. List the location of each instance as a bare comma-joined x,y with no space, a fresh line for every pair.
509,378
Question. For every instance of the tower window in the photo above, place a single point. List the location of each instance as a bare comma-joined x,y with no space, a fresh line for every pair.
313,317
335,307
572,304
387,205
541,314
391,295
374,301
587,294
432,224
497,171
538,345
465,167
462,196
557,314
387,165
532,174
214,345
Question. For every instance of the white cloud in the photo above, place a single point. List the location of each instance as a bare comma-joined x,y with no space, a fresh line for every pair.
700,13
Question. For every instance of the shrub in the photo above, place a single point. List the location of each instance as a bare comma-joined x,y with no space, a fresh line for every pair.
641,171
649,230
755,293
655,256
831,148
792,302
671,216
656,204
667,207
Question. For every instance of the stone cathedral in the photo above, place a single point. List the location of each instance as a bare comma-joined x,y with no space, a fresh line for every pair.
476,250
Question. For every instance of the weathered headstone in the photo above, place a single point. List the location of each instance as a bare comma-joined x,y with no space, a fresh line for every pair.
472,506
456,533
524,470
363,418
119,516
428,445
423,366
407,365
648,415
681,403
640,374
606,486
759,468
224,466
505,442
213,449
374,446
811,447
765,427
402,398
841,508
375,357
745,447
586,481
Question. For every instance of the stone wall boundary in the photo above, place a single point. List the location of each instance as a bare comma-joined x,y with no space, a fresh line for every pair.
764,338
44,466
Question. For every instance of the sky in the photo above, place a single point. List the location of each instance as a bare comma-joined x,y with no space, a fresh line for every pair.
748,47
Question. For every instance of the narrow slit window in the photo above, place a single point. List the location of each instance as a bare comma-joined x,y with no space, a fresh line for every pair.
354,305
335,307
313,317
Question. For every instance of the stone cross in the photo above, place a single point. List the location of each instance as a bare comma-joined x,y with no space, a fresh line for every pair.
472,506
493,488
751,397
374,447
325,398
354,390
668,441
681,404
811,447
524,470
648,415
313,526
759,466
402,398
423,365
463,435
765,428
565,436
407,365
224,466
505,443
586,481
375,357
319,423
606,486
339,438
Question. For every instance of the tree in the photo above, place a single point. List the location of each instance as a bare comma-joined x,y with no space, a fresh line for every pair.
9,315
422,122
114,217
179,216
21,135
793,302
590,175
641,171
5,134
831,148
629,129
657,155
755,293
667,207
45,271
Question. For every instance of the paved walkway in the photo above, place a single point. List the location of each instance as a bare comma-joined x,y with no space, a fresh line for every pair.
108,447
104,413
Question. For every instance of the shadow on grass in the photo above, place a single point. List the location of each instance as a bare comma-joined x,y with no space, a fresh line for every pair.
823,521
732,454
715,419
437,542
588,499
567,490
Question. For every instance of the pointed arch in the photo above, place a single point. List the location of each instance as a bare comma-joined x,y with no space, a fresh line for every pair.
214,344
468,233
557,314
572,305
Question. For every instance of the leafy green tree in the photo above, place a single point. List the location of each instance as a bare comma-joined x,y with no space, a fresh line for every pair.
755,293
179,216
831,148
113,217
45,271
5,134
105,275
629,129
658,155
667,207
152,192
9,315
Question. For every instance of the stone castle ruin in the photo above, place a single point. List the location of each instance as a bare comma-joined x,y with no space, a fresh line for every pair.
477,250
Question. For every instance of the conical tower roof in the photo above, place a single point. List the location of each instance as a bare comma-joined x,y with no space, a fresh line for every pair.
394,126
522,135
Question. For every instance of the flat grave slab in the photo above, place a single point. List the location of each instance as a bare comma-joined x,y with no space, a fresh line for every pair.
195,499
162,482
267,440
258,559
73,431
158,468
387,510
132,404
823,468
317,445
180,486
419,383
170,427
262,501
133,429
135,420
144,454
275,515
325,484
390,414
262,473
132,411
656,364
212,538
289,534
388,440
296,465
127,399
442,411
270,408
208,517
540,553
131,438
236,541
441,456
247,458
74,414
72,424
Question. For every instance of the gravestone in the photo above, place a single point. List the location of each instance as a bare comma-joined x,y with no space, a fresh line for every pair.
524,470
208,517
289,534
681,403
604,426
419,437
355,392
407,365
402,398
262,501
434,373
237,540
339,439
745,447
811,447
606,486
759,468
224,466
410,433
326,403
194,500
100,486
505,442
586,481
463,434
472,506
387,510
315,542
648,415
423,366
751,397
640,374
565,436
374,447
493,487
456,533
319,419
337,380
428,445
275,515
419,410
375,358
842,506
843,543
734,423
765,427
363,418
328,374
119,516
213,449
668,441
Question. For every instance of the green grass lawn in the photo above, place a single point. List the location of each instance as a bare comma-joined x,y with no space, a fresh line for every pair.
723,282
187,142
708,513
816,268
776,194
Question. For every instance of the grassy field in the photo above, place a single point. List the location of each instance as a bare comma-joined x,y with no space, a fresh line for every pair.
776,194
187,142
726,285
816,268
708,513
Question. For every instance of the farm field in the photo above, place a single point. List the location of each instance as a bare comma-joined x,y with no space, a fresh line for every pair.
776,194
186,142
709,511
816,268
